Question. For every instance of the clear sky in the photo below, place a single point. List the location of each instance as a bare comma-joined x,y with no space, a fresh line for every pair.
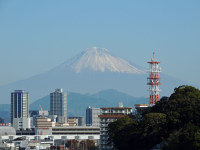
38,35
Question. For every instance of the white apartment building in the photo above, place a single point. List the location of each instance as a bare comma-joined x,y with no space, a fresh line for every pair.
110,114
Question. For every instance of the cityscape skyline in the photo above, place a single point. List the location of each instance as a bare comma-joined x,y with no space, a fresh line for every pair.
40,39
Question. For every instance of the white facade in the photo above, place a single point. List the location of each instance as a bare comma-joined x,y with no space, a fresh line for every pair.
7,130
22,123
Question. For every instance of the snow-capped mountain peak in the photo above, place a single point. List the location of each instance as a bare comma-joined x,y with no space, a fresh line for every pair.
100,59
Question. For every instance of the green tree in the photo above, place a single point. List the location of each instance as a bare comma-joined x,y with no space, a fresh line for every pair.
152,130
186,138
119,134
172,123
182,107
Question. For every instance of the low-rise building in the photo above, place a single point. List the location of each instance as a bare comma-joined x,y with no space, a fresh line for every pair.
22,123
43,126
77,130
80,120
54,136
41,122
141,108
72,122
4,131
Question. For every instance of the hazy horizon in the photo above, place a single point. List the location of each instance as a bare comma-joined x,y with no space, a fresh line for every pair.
37,36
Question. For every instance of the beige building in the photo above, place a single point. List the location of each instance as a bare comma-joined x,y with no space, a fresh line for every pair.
43,126
70,122
41,122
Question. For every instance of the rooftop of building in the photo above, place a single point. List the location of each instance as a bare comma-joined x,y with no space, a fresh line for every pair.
111,116
117,108
76,127
20,91
6,130
141,105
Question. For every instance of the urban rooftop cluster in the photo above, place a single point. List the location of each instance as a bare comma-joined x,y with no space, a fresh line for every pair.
53,129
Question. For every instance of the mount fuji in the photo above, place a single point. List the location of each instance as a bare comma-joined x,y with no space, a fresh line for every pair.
92,70
99,59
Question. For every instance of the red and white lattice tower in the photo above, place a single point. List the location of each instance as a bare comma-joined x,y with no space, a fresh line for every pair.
154,80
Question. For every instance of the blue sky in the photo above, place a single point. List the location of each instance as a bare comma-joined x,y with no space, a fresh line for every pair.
38,35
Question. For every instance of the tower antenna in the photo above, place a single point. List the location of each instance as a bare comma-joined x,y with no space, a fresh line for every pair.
154,80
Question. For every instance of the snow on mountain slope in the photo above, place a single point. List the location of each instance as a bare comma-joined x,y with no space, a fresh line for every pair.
100,59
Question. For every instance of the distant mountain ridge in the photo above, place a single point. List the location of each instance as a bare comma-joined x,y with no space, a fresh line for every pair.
92,70
77,103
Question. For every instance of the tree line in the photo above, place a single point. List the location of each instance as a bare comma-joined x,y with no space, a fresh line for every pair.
172,123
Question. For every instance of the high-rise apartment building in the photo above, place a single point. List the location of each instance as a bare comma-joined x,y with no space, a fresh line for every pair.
110,114
20,109
58,105
92,118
